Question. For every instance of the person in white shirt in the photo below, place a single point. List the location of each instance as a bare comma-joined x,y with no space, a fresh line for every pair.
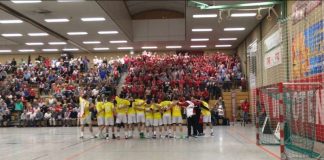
47,117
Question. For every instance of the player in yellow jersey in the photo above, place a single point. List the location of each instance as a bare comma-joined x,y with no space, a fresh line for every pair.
167,120
140,115
131,117
176,117
122,106
157,118
109,118
85,114
148,117
206,116
100,115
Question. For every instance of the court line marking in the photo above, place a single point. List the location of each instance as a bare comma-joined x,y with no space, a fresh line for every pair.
73,156
259,146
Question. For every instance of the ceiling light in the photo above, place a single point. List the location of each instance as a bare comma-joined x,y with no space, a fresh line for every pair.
223,45
77,33
5,51
234,29
70,0
125,48
243,14
34,43
259,16
149,47
56,43
11,35
70,49
24,1
204,15
100,49
119,41
50,50
198,46
91,42
26,50
256,4
173,47
37,34
57,20
199,39
107,32
202,30
10,21
93,19
227,39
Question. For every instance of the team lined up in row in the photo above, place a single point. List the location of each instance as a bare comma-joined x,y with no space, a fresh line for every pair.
159,117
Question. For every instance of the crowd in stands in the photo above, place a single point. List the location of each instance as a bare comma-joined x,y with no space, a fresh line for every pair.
48,89
158,76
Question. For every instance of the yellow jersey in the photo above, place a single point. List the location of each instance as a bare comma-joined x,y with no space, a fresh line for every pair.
137,102
100,110
148,112
85,107
176,111
122,105
156,111
166,104
131,109
205,112
109,109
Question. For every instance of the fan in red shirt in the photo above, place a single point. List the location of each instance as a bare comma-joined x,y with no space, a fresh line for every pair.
245,106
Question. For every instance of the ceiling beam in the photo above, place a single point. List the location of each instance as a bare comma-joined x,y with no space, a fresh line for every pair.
205,6
39,26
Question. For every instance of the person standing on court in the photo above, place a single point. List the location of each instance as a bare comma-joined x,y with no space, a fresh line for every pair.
85,107
192,119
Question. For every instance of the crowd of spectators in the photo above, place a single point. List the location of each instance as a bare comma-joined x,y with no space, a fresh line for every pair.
160,76
48,89
46,92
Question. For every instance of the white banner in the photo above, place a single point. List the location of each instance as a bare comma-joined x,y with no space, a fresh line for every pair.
273,40
273,58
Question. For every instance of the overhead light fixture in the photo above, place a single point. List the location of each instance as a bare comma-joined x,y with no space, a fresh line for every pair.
107,32
100,49
50,50
91,42
70,0
125,48
26,50
24,1
227,39
93,19
70,49
259,16
269,18
204,15
58,20
34,43
77,33
220,16
243,14
173,47
201,30
5,51
11,35
199,39
234,29
56,43
198,46
149,47
10,21
223,45
256,4
37,34
119,41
